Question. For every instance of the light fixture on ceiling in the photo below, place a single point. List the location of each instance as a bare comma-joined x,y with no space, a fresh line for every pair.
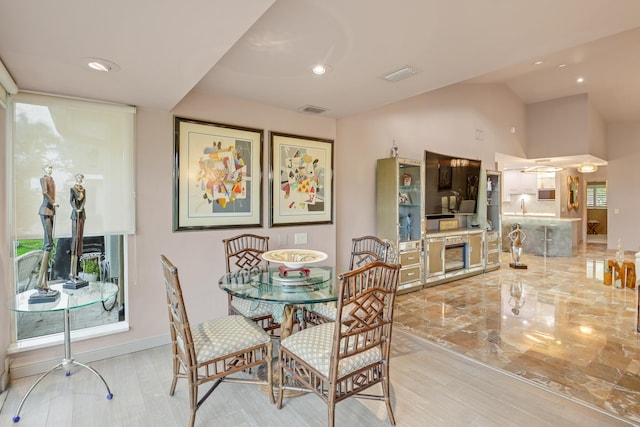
538,63
99,64
400,74
587,168
580,80
320,69
544,168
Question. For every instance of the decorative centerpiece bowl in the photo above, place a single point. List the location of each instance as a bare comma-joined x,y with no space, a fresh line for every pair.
294,259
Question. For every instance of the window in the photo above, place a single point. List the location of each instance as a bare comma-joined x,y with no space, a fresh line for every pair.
596,195
74,137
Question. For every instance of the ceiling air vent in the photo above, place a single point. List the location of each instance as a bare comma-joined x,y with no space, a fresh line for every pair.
312,109
400,74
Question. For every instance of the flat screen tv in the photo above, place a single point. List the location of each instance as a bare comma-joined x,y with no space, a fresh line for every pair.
451,185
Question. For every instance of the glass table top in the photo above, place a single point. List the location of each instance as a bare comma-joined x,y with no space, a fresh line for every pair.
268,285
69,299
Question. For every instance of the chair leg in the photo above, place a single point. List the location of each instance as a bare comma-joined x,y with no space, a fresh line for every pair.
331,406
280,381
193,402
176,367
270,371
387,394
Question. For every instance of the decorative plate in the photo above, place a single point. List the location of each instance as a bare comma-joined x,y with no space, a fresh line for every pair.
294,258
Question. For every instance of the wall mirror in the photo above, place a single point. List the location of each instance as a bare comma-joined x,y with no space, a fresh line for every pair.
572,195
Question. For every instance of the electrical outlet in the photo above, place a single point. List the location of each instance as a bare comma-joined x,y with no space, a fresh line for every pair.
300,238
282,240
616,211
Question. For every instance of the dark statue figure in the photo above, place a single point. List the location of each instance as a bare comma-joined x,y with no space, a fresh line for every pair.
47,214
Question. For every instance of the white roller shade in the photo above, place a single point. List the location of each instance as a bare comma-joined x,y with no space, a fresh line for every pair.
74,136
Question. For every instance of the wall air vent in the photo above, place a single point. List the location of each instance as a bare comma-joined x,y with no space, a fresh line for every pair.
400,74
312,109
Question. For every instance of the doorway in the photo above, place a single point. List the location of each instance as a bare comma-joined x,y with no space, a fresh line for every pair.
596,204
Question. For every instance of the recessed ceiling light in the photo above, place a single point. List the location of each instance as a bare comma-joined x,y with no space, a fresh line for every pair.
538,63
320,69
562,65
99,64
580,80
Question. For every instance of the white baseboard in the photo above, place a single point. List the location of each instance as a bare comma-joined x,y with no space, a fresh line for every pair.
28,369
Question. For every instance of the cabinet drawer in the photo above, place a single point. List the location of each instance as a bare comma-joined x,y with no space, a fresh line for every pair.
410,274
492,244
409,258
493,257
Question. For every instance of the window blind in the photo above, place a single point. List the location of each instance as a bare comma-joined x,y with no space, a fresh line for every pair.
74,136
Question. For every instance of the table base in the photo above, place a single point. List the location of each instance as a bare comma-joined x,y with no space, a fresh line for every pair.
66,364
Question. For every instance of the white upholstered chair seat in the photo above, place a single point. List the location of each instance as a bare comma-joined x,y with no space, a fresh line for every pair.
330,311
251,309
227,335
313,345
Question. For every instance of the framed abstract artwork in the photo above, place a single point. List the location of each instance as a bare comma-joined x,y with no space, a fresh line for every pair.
301,188
217,176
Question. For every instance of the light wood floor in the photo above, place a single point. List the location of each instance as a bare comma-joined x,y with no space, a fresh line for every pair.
431,387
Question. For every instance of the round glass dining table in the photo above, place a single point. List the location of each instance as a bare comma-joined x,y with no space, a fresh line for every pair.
295,290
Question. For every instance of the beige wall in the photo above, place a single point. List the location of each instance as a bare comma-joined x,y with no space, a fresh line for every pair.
443,121
623,176
559,127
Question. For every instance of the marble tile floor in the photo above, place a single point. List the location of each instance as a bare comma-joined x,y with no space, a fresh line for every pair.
555,324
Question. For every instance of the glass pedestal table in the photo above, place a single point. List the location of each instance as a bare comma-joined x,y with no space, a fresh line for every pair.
294,291
69,299
287,294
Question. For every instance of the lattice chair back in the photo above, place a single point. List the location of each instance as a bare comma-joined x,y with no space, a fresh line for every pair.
179,329
215,350
367,249
245,251
338,360
366,298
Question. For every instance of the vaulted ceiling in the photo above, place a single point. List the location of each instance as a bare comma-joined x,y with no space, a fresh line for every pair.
263,50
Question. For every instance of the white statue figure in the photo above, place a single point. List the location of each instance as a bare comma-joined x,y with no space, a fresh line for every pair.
517,237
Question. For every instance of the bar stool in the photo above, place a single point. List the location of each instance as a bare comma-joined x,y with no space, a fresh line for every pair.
547,240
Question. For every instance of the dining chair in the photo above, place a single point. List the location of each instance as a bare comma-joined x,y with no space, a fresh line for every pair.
364,250
335,360
245,251
214,350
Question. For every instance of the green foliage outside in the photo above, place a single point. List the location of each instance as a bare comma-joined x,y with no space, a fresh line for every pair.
25,246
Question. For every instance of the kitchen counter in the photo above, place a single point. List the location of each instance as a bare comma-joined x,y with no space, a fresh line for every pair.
563,234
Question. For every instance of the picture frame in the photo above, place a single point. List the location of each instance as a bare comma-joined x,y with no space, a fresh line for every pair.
301,175
444,176
217,175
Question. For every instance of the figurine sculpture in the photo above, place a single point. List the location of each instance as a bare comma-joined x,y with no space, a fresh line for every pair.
77,199
517,237
47,214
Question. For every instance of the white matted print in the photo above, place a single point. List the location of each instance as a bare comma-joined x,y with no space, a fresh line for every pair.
301,180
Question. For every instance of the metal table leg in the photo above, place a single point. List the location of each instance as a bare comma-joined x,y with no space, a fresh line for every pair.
66,363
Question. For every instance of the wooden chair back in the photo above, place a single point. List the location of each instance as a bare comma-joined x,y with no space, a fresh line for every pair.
181,338
367,296
367,249
244,251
